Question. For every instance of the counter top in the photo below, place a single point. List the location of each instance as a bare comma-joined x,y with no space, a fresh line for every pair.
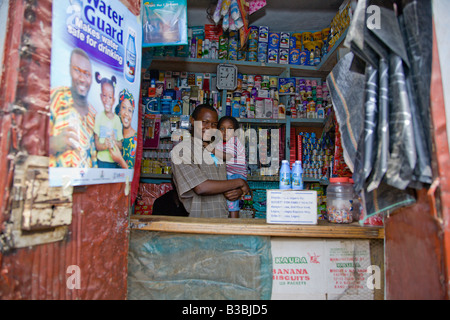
254,227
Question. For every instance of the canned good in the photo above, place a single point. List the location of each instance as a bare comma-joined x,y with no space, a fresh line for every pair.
306,37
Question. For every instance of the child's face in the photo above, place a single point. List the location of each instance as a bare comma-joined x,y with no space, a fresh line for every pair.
107,97
227,130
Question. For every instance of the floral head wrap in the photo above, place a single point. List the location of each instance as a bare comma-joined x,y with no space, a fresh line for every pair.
124,95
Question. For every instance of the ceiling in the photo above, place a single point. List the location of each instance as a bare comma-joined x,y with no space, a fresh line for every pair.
278,15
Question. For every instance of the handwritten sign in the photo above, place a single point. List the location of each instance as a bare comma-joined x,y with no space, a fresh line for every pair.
291,207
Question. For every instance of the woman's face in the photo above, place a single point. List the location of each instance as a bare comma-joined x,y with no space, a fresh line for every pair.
126,113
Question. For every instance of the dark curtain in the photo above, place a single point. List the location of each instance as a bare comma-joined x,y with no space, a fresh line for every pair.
381,96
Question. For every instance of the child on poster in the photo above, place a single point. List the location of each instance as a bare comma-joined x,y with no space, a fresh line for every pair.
108,127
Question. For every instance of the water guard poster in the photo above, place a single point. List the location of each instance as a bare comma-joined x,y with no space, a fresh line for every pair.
95,86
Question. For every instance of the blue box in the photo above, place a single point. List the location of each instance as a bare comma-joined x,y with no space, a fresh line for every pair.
274,40
294,57
262,52
263,34
272,56
285,39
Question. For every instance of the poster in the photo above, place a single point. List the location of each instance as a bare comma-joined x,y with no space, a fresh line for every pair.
320,270
95,89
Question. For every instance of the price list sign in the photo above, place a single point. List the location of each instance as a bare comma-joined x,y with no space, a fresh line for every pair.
292,207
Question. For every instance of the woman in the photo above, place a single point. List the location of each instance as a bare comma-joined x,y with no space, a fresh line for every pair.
124,110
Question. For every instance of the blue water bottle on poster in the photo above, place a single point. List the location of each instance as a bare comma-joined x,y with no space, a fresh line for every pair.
130,55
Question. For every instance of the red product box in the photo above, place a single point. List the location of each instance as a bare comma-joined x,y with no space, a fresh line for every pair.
300,148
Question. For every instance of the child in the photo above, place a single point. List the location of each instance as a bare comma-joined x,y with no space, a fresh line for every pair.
108,127
233,152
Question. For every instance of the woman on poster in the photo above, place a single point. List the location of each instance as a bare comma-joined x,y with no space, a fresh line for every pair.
125,110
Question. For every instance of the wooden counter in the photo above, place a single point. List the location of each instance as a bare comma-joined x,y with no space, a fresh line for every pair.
254,227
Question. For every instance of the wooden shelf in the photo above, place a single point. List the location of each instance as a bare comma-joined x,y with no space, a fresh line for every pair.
272,69
253,227
262,121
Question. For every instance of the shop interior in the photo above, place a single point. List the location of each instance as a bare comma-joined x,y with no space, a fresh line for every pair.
293,82
175,80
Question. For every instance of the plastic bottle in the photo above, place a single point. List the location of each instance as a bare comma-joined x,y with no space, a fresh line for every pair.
340,201
311,57
228,107
285,175
317,56
297,172
130,62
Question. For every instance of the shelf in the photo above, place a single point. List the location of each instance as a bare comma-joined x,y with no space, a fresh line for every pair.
272,69
262,121
166,177
308,122
276,179
253,227
293,122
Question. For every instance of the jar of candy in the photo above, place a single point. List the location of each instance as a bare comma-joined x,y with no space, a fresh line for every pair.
340,201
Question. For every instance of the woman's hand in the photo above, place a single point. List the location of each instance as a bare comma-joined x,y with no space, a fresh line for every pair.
116,155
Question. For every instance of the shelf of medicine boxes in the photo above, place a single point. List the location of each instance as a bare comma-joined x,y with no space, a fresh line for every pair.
320,71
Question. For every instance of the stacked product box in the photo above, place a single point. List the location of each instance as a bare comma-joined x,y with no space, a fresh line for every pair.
317,155
296,48
252,44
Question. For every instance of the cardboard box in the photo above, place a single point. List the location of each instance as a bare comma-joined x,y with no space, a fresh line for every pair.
292,207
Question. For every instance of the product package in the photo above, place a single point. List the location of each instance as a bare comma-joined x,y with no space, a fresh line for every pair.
165,23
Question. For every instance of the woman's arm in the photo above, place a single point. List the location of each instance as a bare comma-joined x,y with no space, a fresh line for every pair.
116,155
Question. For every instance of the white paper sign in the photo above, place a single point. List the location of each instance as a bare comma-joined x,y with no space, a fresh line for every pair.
291,207
320,269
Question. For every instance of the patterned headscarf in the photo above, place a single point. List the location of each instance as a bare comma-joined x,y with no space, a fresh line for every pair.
124,95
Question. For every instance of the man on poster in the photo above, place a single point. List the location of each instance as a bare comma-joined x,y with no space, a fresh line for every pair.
72,118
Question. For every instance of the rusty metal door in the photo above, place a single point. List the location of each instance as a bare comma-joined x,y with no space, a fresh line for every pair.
95,246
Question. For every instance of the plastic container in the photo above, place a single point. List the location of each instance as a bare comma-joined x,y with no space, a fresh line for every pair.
340,201
285,175
297,172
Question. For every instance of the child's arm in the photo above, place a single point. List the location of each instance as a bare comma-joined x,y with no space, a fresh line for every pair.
100,146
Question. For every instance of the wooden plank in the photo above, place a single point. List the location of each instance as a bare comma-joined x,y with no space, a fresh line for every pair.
253,227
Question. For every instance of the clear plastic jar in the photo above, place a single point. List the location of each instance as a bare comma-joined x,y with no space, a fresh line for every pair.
340,201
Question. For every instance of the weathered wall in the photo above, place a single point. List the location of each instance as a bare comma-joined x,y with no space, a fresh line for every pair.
97,241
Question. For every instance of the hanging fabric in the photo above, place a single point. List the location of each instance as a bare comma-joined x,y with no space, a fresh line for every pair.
390,155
